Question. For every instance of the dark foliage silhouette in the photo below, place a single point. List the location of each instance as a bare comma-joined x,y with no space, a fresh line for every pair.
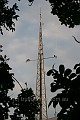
69,98
26,105
6,84
68,12
7,15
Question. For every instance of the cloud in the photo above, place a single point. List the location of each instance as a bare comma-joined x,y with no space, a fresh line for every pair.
23,44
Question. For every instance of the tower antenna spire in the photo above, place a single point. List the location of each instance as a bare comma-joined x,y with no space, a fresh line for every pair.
40,81
40,14
40,22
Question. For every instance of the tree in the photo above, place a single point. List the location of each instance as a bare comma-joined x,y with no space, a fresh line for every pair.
7,15
26,105
69,98
6,84
68,12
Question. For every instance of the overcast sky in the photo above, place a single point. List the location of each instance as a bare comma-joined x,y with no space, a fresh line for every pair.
23,44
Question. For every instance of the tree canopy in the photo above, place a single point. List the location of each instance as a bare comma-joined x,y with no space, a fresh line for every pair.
6,84
69,98
25,104
68,12
7,15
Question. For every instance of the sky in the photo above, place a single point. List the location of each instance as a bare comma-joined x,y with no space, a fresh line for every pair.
23,44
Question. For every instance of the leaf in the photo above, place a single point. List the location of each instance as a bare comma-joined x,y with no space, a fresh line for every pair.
5,56
72,76
55,103
49,72
67,72
78,70
55,75
61,103
50,102
1,46
61,69
76,66
1,58
53,87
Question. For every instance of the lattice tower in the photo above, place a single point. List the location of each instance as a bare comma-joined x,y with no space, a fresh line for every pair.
40,82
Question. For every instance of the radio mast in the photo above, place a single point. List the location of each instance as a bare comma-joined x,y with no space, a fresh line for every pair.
40,81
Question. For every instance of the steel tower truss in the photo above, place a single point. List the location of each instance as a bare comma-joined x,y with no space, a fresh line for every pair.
40,82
